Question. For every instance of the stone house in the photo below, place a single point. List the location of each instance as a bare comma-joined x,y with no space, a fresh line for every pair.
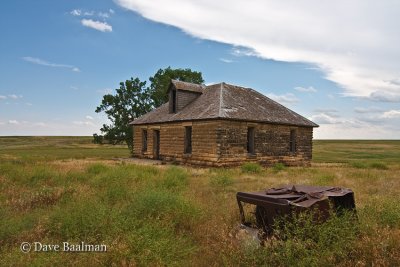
222,125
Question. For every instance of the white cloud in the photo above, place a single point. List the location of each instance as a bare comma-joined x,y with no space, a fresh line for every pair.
88,13
226,60
89,117
243,51
336,127
309,89
104,15
367,110
354,43
330,110
105,91
371,127
343,131
326,115
323,118
13,122
97,25
74,88
76,12
13,96
28,104
384,97
42,62
285,98
391,114
54,127
88,123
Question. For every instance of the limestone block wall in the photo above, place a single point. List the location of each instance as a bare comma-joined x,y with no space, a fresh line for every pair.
224,143
204,146
272,144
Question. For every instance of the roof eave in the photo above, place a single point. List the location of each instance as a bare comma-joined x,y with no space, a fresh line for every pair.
314,125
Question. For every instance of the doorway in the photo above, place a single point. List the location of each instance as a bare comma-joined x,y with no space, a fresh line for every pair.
156,144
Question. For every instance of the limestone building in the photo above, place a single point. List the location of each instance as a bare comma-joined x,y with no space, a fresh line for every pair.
222,125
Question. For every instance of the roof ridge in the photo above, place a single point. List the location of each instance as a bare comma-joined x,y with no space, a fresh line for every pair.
179,81
220,100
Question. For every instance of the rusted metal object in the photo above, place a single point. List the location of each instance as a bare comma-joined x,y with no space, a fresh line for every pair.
291,199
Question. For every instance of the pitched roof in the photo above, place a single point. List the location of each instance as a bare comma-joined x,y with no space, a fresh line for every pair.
225,101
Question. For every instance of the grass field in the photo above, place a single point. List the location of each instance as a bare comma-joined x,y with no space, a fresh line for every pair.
65,189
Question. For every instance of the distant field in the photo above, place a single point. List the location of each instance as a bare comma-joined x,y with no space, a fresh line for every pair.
38,148
66,189
351,151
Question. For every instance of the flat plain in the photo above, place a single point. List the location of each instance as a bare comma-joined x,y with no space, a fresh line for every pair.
66,189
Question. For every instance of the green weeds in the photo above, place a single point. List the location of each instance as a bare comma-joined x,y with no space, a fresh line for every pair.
251,167
279,167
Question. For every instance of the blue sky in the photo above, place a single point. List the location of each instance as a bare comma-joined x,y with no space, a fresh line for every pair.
59,57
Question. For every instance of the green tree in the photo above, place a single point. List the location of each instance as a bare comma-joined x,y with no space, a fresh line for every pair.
133,99
130,101
162,78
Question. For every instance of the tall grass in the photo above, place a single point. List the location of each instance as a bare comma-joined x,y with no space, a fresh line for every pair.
300,241
251,167
58,189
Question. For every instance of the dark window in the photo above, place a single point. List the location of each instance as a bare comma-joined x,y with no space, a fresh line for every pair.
292,143
174,101
188,140
250,140
144,140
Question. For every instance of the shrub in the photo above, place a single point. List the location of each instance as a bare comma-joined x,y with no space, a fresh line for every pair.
45,196
359,165
11,226
42,174
372,165
98,139
302,242
384,212
221,180
163,206
279,167
152,245
390,214
325,179
97,168
378,166
116,192
251,167
84,219
175,178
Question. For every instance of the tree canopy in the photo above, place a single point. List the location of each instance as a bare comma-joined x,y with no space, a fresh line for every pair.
161,79
133,99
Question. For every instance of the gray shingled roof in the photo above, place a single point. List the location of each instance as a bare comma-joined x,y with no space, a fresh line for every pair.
225,101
